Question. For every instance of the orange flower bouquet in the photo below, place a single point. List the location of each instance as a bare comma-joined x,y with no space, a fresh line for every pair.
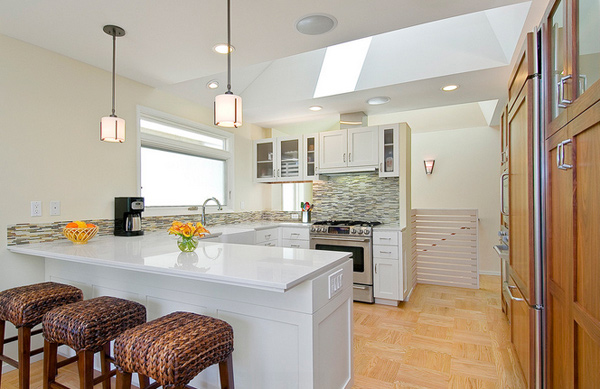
187,234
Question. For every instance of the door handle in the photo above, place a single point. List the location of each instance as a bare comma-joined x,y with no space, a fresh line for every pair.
561,92
508,287
562,165
502,194
359,287
344,157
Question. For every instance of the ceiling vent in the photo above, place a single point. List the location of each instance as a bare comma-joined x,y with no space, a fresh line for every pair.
353,119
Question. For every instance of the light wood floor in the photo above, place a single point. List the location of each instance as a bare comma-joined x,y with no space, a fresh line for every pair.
442,338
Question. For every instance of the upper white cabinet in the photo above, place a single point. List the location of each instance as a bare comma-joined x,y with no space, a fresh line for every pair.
333,150
310,157
353,149
278,159
389,158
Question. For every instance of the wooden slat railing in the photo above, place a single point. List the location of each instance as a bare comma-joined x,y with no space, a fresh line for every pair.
445,246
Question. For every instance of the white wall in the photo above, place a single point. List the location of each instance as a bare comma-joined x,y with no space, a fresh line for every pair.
50,107
466,175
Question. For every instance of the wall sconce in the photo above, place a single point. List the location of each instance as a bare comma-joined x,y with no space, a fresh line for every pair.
429,165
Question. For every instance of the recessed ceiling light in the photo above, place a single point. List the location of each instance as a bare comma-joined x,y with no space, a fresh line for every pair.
221,48
316,24
212,84
378,100
315,108
450,88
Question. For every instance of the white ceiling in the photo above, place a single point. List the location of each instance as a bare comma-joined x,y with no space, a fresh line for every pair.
169,44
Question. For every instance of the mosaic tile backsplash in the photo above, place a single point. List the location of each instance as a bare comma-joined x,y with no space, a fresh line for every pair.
47,232
359,196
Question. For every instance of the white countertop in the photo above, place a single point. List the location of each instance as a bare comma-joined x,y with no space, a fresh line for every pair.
270,268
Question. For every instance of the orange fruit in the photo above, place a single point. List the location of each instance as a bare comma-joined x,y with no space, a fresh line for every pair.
71,225
90,225
80,224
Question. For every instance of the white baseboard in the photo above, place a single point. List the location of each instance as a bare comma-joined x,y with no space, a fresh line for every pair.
489,273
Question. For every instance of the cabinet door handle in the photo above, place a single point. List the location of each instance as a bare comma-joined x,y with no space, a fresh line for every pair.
278,172
563,165
274,173
502,193
376,268
380,166
561,92
344,157
558,154
350,157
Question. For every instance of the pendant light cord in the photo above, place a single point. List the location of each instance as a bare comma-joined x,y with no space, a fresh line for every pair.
228,47
113,71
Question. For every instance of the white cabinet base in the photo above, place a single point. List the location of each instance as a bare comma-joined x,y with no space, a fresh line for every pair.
393,303
297,339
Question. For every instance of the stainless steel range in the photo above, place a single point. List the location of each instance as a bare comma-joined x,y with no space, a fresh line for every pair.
355,237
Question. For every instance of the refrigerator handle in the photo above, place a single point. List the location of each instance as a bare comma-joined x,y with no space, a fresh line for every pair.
508,288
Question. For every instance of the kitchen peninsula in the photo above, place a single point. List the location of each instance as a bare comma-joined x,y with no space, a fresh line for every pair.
291,309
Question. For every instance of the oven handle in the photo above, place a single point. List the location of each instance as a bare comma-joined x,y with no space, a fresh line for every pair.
340,238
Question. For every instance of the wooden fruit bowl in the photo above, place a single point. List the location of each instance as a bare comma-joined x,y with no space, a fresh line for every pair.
80,235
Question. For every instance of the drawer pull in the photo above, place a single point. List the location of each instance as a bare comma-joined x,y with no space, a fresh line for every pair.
267,236
382,238
297,246
294,234
384,252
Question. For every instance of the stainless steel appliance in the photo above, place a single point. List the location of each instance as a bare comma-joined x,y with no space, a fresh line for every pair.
355,237
128,216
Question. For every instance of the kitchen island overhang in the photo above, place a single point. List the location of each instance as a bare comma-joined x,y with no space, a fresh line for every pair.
290,329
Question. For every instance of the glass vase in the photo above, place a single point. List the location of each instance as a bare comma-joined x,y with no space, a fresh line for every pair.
187,244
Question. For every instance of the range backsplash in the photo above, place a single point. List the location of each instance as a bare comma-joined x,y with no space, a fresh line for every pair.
357,196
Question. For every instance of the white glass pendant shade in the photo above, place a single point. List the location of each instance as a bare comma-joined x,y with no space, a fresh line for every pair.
228,110
112,129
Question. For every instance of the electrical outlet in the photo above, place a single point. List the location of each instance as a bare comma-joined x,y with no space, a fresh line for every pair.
336,281
54,208
36,208
294,216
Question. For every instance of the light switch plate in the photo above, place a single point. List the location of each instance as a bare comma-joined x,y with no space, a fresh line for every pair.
336,282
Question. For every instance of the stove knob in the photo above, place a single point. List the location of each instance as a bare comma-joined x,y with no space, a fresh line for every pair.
323,229
366,231
313,229
353,231
360,231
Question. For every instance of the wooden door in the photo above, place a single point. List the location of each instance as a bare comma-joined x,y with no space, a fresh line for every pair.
559,266
573,246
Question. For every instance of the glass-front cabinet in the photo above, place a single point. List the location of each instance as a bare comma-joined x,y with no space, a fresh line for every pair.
572,57
289,150
264,160
310,157
389,158
278,159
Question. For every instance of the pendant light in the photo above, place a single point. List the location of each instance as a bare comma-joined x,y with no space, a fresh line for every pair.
112,128
228,107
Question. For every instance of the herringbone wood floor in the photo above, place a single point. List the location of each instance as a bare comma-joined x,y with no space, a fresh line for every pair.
442,338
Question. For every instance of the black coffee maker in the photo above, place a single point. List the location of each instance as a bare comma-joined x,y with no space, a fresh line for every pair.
128,216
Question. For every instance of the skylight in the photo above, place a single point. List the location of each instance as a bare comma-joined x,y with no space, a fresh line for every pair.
341,67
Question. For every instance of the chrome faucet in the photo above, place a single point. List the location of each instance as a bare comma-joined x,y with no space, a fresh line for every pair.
203,219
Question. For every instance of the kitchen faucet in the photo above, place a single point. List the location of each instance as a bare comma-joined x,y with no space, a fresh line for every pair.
203,219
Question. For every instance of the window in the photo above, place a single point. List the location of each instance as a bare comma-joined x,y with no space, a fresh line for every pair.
183,163
292,194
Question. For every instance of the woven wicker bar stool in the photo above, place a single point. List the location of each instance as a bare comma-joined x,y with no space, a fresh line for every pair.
174,349
24,307
88,327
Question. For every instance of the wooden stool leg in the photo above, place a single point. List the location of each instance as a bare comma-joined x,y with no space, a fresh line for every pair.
105,362
144,381
50,363
86,369
226,373
2,324
123,380
24,356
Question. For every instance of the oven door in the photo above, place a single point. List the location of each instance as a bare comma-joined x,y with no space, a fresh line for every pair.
361,250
